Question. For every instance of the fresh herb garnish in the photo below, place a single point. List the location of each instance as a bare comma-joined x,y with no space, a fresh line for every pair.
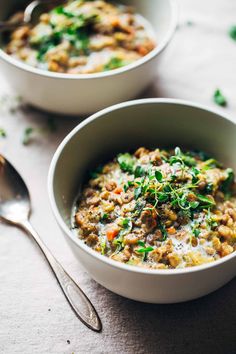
103,244
114,63
196,232
158,176
143,248
182,158
227,184
126,222
219,98
206,201
163,231
129,184
127,227
211,163
104,217
27,135
77,33
139,172
209,188
3,133
139,206
190,23
95,173
126,162
60,10
137,192
194,172
162,197
232,32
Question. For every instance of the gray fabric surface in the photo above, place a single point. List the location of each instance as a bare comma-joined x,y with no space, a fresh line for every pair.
34,316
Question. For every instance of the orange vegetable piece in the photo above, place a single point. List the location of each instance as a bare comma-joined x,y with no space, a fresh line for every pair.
118,190
112,233
171,230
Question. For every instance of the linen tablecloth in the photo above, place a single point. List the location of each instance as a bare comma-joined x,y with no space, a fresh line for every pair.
34,315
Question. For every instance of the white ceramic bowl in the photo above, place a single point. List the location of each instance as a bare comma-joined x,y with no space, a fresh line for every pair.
82,94
150,123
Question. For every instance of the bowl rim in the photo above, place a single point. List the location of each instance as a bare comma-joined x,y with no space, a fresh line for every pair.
79,243
157,50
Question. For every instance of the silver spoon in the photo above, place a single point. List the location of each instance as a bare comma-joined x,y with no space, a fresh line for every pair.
15,209
30,14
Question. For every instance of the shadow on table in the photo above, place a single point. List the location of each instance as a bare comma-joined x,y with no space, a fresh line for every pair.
206,325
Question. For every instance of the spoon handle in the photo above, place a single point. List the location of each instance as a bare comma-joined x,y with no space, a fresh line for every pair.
8,26
16,21
75,296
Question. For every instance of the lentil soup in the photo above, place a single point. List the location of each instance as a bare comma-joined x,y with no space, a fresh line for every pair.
83,37
159,209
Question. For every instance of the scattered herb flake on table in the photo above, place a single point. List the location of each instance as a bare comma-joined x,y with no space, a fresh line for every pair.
232,32
27,135
51,123
3,133
220,99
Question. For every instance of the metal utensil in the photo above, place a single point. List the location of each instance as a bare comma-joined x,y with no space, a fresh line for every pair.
15,209
30,14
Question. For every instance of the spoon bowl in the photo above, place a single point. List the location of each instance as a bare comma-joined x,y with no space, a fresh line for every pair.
14,195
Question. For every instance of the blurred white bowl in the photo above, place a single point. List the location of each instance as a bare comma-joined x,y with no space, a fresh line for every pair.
82,94
124,127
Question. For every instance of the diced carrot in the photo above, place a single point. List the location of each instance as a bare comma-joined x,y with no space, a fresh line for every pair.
118,190
142,50
112,233
115,21
171,230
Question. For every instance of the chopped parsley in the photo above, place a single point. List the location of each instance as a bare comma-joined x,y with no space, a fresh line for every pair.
232,32
77,33
190,23
3,133
126,222
151,186
196,232
205,201
139,172
220,99
114,63
104,217
182,158
143,248
158,176
163,231
27,135
227,184
126,162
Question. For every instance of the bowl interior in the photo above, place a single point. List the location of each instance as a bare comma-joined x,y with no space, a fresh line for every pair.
150,123
159,13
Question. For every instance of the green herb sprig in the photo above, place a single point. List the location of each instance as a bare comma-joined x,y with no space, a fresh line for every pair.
3,133
232,32
27,135
143,248
220,99
126,162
